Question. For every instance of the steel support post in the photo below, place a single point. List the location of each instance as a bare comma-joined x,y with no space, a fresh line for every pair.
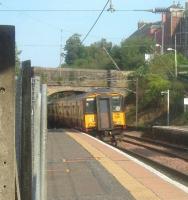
36,116
43,142
168,107
163,34
176,60
18,121
137,102
18,133
7,113
26,151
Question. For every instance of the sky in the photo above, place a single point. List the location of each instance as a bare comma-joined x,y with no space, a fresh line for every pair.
38,34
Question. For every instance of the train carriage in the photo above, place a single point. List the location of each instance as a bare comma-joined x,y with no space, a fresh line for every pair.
102,111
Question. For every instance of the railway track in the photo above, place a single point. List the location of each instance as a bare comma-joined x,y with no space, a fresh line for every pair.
171,159
171,150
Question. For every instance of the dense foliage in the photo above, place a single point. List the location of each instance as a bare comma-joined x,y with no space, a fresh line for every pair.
158,76
155,75
128,55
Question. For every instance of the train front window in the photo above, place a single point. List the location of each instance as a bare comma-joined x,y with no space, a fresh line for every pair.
90,105
116,103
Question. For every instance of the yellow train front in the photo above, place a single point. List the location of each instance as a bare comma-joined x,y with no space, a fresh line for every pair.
101,112
104,112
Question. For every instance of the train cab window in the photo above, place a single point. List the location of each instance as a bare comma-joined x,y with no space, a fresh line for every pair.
116,103
90,105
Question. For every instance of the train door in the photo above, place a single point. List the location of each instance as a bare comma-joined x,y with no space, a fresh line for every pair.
104,113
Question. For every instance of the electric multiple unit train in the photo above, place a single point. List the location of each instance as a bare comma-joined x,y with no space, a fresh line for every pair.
98,111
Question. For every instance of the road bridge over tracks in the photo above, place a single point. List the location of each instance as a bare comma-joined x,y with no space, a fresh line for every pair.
81,80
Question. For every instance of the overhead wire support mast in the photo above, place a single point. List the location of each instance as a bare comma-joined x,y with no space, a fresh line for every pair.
61,48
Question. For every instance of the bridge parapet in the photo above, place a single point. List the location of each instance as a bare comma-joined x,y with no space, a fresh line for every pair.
77,78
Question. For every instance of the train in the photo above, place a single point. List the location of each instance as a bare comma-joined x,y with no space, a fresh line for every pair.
100,111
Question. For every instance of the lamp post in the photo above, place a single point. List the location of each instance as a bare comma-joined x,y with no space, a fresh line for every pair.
136,102
163,32
175,57
167,92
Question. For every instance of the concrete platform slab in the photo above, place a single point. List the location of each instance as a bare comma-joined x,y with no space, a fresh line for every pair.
74,174
141,182
180,129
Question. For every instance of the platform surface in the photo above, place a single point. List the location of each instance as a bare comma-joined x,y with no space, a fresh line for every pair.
74,174
82,168
183,129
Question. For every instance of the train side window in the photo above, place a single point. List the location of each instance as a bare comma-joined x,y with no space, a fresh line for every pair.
90,105
116,103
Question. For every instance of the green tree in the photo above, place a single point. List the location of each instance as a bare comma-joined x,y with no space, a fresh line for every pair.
74,49
159,76
132,52
89,57
102,43
129,55
155,83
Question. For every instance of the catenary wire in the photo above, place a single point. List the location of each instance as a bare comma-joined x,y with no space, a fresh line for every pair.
95,22
61,10
53,26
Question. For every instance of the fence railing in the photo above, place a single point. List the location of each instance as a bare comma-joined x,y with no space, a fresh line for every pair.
31,114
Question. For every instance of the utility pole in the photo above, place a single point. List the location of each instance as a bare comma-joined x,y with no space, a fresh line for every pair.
175,58
162,43
61,53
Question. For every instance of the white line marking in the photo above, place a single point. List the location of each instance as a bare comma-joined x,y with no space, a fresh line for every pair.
151,169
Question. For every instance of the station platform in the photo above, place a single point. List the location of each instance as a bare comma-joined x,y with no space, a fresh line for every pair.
173,134
80,167
180,129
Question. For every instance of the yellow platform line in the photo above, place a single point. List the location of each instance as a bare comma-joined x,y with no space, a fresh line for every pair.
137,190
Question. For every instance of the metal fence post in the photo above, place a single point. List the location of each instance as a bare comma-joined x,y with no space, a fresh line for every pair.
18,133
43,142
26,151
18,122
7,113
36,116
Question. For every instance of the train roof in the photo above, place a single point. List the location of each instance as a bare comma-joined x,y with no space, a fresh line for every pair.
92,93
